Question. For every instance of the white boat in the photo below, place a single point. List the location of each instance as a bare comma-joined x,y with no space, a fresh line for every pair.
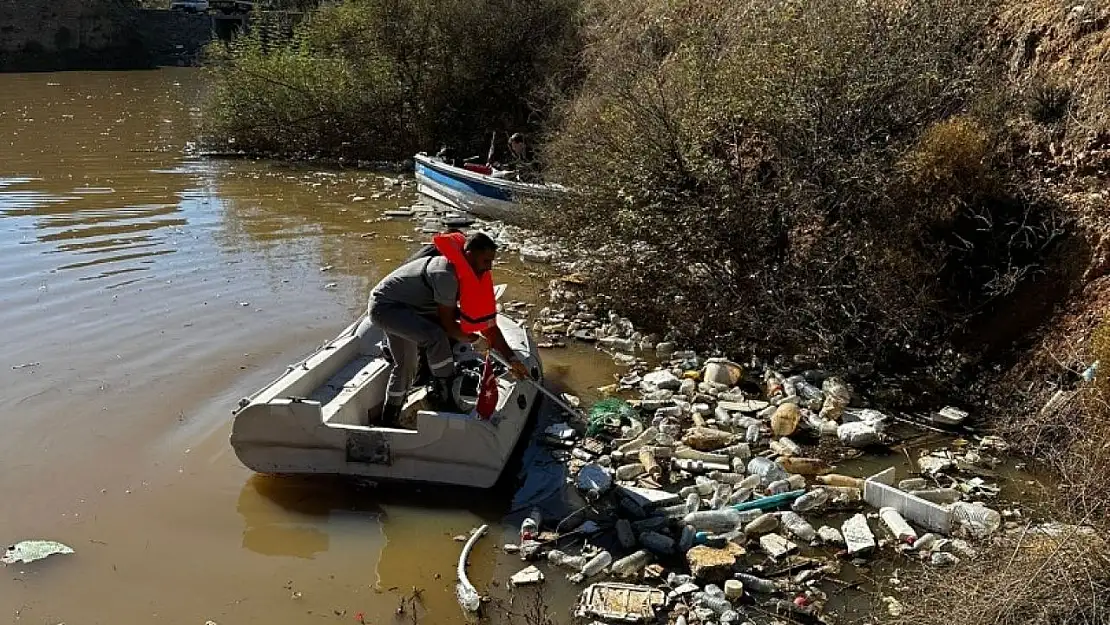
317,418
478,190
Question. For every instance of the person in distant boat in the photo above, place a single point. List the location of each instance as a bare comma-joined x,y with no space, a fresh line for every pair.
516,157
442,295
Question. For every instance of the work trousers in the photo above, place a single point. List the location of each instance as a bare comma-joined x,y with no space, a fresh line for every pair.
407,332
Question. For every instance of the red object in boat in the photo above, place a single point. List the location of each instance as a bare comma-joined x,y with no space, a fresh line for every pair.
478,169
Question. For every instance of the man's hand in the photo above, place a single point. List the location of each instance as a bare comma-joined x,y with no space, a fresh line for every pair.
520,371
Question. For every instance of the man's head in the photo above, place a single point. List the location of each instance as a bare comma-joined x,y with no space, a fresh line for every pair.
480,251
516,142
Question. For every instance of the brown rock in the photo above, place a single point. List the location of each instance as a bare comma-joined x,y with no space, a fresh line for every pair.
707,439
709,564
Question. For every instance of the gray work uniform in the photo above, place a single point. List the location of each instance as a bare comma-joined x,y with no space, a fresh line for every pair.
404,306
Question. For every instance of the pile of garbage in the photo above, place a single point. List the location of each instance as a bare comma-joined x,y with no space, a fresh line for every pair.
707,501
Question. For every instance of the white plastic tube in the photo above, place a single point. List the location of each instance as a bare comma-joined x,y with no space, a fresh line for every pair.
464,590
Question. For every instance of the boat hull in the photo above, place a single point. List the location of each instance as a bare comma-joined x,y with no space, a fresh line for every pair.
315,419
478,194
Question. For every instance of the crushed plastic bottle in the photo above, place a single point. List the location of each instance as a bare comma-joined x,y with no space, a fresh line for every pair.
693,502
657,543
625,536
813,500
757,584
837,397
767,470
631,565
559,558
597,564
716,521
798,526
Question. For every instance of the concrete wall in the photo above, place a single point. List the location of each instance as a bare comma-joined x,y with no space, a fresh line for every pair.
173,37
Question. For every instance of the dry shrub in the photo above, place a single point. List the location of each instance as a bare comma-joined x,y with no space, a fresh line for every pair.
828,177
1031,578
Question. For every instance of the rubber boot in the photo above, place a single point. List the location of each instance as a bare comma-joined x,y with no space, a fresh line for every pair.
391,415
440,395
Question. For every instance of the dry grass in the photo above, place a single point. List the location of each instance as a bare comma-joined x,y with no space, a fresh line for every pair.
1031,578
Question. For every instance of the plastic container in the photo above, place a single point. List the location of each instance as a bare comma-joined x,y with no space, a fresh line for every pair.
558,558
625,535
715,521
767,470
835,479
804,466
686,539
757,584
753,433
763,524
530,527
976,520
897,525
630,471
813,500
785,419
799,527
597,564
657,543
631,565
734,589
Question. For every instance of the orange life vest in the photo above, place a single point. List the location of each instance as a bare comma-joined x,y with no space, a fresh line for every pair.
477,304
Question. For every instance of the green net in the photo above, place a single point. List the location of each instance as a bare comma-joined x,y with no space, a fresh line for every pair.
609,413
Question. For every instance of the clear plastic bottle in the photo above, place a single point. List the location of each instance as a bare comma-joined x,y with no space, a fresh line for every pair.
686,540
559,558
753,433
813,500
693,502
739,495
835,479
804,466
597,564
897,525
756,584
837,398
631,565
715,521
799,527
630,471
761,525
778,487
720,496
767,470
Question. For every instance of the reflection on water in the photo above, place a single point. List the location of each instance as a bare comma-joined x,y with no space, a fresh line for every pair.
143,290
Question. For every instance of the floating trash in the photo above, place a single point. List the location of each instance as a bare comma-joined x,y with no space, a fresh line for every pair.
31,550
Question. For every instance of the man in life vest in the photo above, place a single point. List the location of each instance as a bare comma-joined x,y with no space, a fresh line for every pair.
430,300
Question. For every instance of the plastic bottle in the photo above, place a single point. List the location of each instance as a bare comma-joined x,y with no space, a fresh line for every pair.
625,535
740,450
772,384
767,470
702,488
630,471
720,496
897,525
796,525
753,433
797,482
785,447
835,479
597,564
657,543
647,458
837,397
693,503
740,494
979,521
785,419
810,501
763,524
530,527
558,558
804,466
689,453
778,487
813,396
686,539
756,584
723,477
720,605
631,565
713,520
751,481
635,444
700,466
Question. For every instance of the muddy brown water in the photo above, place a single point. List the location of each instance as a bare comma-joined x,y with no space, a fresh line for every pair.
142,292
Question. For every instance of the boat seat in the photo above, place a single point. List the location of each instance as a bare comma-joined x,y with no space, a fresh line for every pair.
358,391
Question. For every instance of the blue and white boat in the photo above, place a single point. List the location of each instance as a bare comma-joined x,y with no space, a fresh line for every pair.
478,189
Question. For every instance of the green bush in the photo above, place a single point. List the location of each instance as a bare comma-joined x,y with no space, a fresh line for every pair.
380,79
827,177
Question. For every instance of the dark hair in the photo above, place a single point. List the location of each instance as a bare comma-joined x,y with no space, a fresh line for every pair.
480,242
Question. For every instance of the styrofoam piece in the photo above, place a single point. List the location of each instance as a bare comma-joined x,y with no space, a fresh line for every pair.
915,509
